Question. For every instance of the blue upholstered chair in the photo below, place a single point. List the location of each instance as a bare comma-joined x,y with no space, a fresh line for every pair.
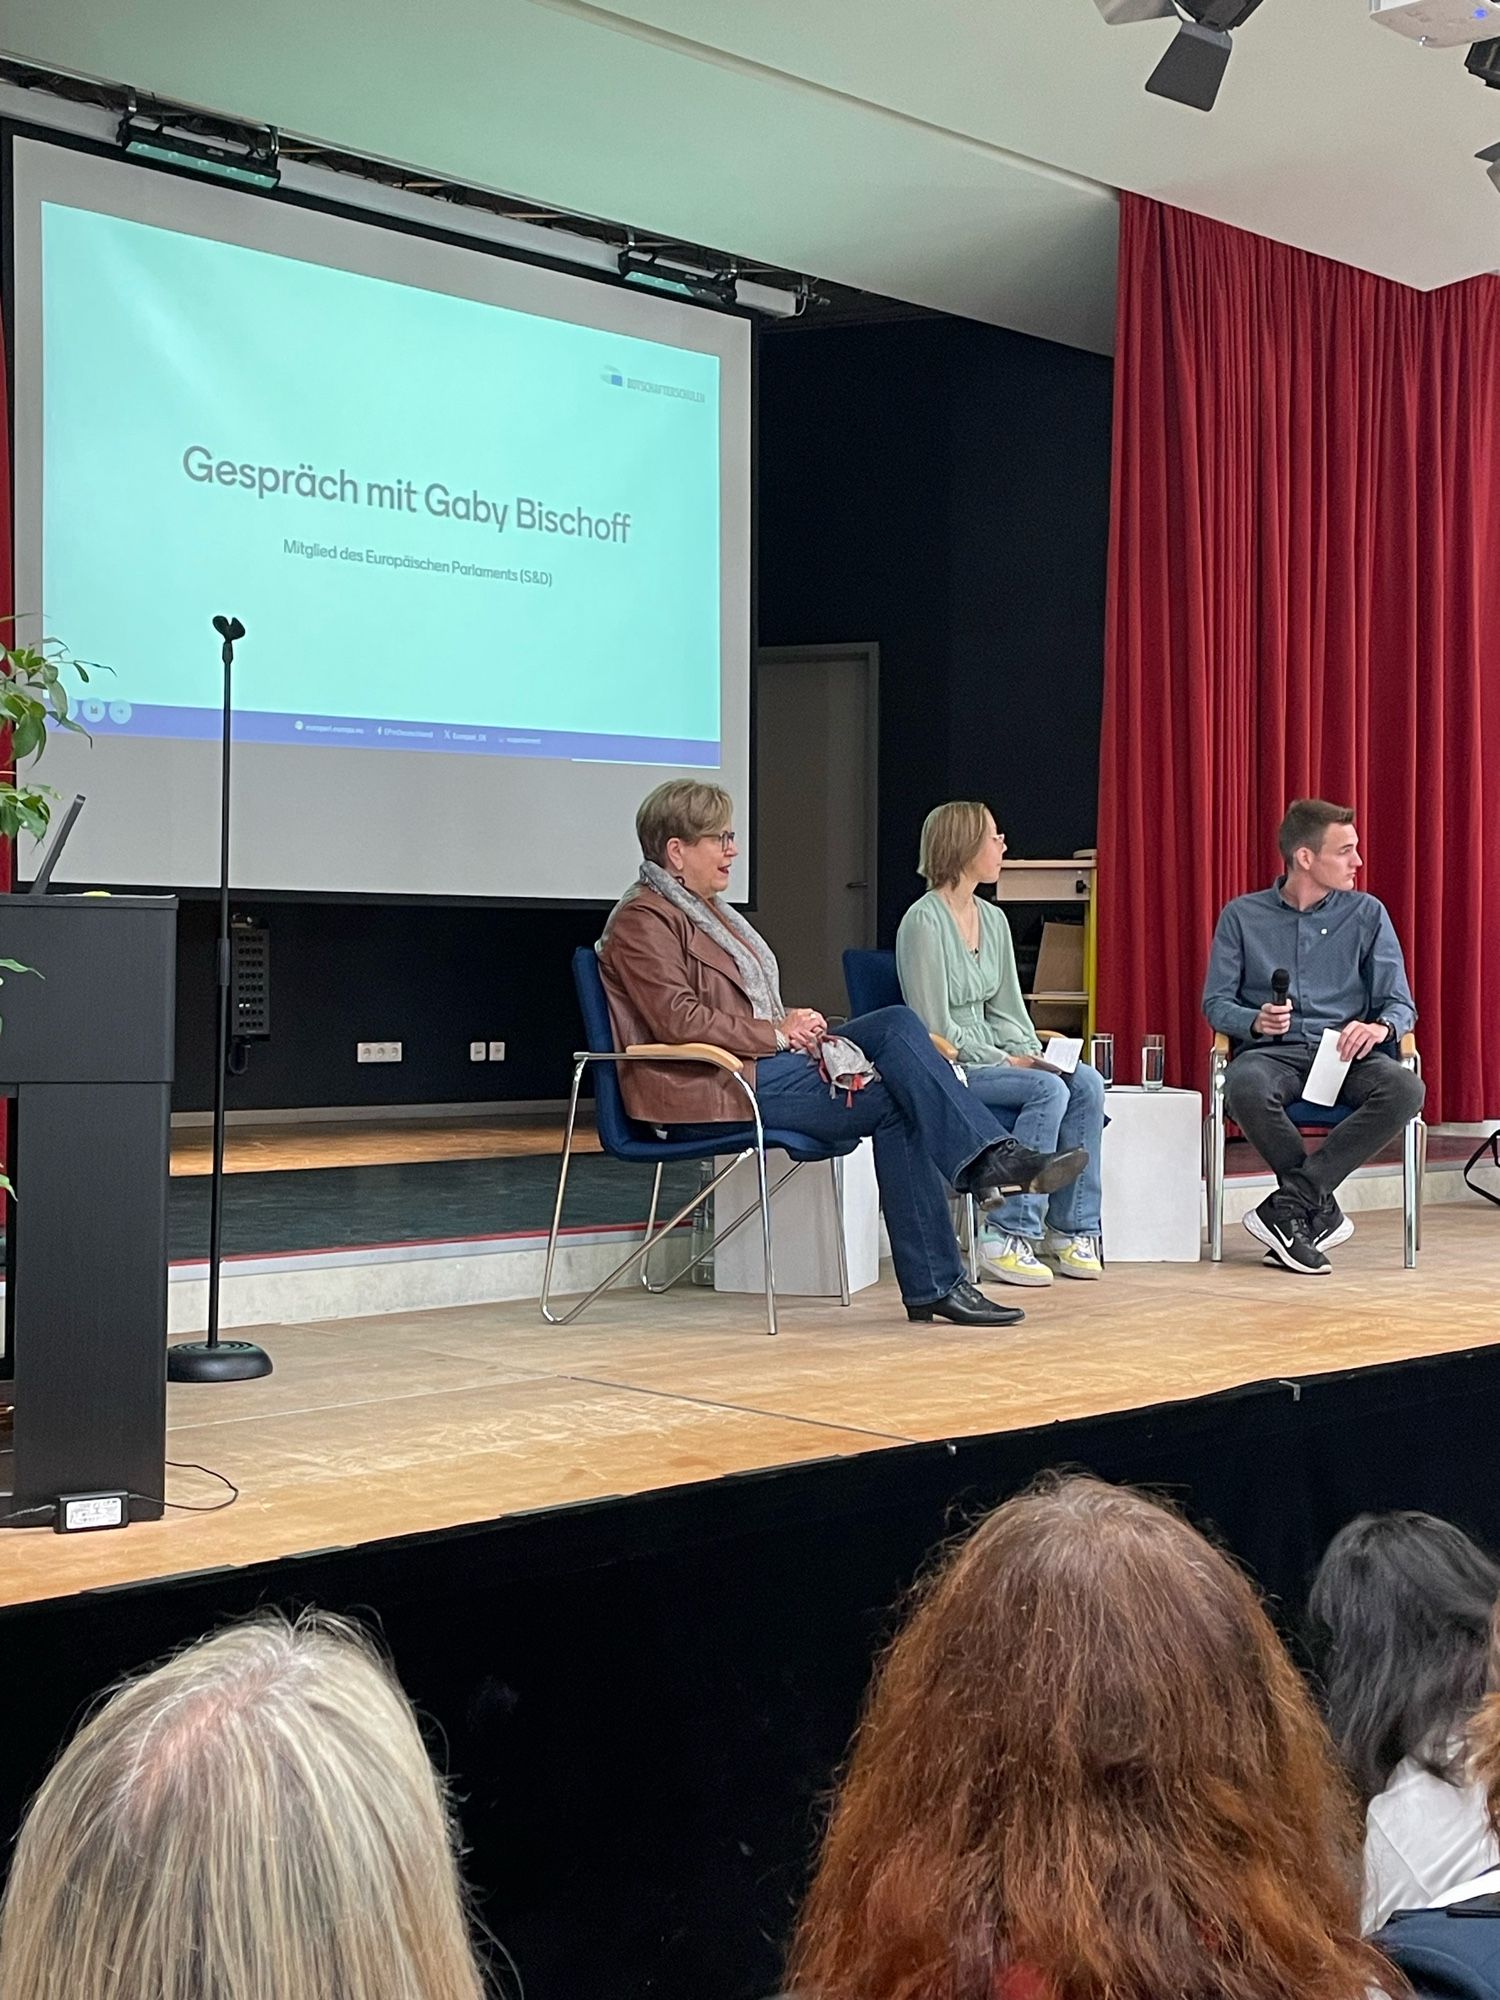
1311,1119
624,1138
872,982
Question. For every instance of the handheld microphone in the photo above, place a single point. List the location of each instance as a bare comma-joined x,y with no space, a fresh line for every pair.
1281,986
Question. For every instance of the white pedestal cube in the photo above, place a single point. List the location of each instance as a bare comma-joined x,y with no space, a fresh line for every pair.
1153,1176
804,1247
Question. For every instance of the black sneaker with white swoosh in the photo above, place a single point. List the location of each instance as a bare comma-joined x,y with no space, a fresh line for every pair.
1285,1227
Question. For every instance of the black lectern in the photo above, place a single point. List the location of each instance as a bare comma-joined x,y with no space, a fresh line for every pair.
86,1060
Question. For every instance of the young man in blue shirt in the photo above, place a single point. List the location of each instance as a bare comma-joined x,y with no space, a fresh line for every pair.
1347,973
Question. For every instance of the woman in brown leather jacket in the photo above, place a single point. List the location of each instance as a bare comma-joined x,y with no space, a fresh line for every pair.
680,964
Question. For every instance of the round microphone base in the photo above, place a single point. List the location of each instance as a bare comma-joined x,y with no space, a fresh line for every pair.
224,1361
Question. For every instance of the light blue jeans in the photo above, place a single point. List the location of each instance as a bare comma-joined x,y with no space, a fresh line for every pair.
1052,1114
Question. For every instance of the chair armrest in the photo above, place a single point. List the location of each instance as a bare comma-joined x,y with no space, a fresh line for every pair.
946,1049
1221,1046
1409,1048
701,1052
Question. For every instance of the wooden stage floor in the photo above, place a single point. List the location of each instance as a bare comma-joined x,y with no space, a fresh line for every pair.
376,1428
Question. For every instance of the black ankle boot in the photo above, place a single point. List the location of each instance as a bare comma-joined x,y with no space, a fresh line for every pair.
1008,1167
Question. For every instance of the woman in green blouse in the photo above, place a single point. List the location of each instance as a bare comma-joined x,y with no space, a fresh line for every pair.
957,964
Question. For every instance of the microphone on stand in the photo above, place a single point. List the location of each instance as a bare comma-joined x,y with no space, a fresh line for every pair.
212,1359
1281,986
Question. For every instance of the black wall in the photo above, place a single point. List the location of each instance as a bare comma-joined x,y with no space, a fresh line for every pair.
943,488
935,485
432,977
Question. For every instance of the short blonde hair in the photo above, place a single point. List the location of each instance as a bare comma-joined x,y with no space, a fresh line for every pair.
950,839
258,1816
681,809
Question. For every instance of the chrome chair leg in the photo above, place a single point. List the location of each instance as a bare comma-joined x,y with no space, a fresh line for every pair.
1213,1162
836,1170
765,1225
1411,1193
562,1187
645,1272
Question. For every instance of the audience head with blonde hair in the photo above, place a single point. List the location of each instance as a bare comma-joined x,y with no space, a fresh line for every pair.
255,1820
1088,1771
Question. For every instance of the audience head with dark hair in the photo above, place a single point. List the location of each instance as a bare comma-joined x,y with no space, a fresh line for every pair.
1448,1961
1088,1771
255,1820
1401,1608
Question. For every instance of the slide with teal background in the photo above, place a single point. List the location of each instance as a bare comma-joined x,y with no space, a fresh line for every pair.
447,525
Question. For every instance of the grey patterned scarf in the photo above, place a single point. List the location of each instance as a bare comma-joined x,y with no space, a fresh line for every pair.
753,957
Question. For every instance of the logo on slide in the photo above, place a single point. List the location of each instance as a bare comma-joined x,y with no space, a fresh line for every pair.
615,376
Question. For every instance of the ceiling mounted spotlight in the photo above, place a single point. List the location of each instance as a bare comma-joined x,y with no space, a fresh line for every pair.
1193,67
1483,61
1491,158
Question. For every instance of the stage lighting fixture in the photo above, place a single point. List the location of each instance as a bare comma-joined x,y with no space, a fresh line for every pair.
682,281
245,154
1439,24
1193,67
1491,158
1483,61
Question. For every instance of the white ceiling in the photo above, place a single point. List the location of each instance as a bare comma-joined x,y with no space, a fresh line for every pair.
957,153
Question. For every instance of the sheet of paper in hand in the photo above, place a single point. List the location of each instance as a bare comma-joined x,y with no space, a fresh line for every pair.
1062,1053
1326,1078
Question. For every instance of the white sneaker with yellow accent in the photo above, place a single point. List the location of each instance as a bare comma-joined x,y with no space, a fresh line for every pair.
1011,1260
1073,1256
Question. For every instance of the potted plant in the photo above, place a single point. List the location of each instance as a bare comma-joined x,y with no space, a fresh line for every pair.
33,698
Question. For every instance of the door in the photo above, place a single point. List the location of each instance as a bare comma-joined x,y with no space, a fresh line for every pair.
816,733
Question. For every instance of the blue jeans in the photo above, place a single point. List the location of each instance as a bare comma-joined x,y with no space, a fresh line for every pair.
926,1126
1053,1113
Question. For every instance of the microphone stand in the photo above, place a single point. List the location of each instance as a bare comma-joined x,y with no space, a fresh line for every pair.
212,1359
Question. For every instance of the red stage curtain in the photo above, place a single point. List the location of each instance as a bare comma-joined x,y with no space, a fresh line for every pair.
6,604
1304,599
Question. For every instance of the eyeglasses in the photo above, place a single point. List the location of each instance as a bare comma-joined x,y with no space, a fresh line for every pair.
725,840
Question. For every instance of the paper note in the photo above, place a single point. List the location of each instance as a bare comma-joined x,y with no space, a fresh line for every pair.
1329,1069
1062,1052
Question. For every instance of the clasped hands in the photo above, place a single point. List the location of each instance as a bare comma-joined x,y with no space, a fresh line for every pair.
804,1028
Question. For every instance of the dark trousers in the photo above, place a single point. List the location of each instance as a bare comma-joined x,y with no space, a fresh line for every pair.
1262,1081
927,1127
